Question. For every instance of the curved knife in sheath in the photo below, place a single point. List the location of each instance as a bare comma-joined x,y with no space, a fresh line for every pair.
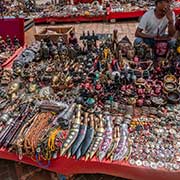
121,149
81,135
107,138
97,140
114,145
124,152
73,132
87,140
129,151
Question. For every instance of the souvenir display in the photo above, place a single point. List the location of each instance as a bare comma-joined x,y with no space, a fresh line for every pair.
55,10
64,9
104,100
8,47
130,6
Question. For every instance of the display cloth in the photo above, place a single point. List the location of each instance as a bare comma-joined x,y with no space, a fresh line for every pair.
9,62
70,166
70,19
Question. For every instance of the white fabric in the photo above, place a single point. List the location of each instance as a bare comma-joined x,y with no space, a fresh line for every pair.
150,23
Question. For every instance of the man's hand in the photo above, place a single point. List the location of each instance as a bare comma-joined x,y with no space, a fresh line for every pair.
139,33
171,23
169,16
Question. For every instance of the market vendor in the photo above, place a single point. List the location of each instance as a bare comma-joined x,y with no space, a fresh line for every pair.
153,25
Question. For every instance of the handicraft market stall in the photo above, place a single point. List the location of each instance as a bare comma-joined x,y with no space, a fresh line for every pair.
103,103
81,11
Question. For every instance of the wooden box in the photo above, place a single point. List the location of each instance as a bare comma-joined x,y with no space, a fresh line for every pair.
54,33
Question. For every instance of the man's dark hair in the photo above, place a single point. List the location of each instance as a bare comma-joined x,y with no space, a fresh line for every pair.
160,1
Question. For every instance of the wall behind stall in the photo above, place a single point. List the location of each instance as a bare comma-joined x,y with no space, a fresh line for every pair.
12,27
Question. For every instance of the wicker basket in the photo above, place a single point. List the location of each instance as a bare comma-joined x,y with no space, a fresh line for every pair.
54,33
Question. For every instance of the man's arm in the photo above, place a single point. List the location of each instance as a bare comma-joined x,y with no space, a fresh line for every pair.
139,33
171,29
171,23
142,26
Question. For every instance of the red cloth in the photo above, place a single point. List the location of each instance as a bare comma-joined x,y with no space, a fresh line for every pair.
75,19
133,14
12,27
8,64
40,20
85,1
177,11
124,15
69,19
122,169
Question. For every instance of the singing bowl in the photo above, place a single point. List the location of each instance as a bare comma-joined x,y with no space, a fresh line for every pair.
170,86
178,89
158,101
173,97
170,78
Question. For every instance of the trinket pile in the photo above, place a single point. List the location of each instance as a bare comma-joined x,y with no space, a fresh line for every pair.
75,10
51,10
7,48
110,102
81,9
136,5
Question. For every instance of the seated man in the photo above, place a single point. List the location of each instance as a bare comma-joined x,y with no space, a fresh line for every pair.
153,25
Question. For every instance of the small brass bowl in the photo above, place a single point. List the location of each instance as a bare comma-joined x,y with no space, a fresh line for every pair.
173,97
170,86
170,78
158,100
178,89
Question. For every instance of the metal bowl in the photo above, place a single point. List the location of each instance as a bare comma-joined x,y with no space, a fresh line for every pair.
173,97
